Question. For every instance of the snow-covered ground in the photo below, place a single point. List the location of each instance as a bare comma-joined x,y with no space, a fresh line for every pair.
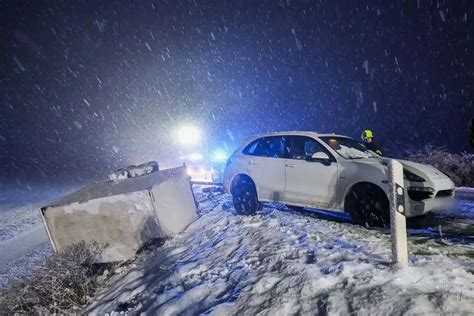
279,262
282,262
23,240
465,193
16,219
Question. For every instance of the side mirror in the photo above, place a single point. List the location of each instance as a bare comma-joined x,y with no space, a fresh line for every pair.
320,155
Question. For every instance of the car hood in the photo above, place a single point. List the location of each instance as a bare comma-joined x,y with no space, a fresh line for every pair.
423,170
427,170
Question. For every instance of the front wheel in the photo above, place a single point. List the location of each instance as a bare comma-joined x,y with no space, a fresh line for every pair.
245,197
368,205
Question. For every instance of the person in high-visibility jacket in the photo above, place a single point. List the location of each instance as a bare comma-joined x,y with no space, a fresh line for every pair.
368,138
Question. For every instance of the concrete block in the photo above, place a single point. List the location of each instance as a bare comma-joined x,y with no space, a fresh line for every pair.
122,215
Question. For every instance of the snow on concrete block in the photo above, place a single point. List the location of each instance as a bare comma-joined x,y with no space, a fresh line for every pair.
122,215
134,171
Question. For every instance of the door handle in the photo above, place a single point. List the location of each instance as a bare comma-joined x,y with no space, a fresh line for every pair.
289,165
253,163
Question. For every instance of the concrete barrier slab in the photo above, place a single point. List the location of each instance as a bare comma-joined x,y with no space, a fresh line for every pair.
122,215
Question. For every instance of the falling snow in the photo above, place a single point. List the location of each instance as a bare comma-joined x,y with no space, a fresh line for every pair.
89,88
148,46
441,14
77,124
19,64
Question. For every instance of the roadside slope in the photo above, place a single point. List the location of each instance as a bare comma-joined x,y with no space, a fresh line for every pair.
284,262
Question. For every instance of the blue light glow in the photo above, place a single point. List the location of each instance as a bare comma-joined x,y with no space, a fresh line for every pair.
219,155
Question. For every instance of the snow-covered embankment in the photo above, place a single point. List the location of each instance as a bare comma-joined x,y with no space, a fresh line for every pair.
285,262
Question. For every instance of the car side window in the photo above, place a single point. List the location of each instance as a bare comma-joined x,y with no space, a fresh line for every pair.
272,146
250,149
302,147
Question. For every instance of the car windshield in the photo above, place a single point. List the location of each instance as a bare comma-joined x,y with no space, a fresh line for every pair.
348,148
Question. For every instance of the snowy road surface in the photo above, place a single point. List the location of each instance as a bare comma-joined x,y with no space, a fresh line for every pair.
23,241
282,262
21,245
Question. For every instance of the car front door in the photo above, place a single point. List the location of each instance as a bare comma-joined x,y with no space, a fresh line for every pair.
309,182
266,167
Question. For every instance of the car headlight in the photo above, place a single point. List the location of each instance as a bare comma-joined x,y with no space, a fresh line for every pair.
410,176
421,189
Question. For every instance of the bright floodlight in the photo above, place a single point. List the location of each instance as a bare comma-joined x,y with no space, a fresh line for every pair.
189,135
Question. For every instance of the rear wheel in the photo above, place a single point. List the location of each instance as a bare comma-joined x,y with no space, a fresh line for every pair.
244,196
368,205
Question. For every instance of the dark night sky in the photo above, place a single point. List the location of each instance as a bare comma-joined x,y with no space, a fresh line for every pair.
88,86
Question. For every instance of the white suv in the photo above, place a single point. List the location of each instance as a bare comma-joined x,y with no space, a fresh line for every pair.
327,171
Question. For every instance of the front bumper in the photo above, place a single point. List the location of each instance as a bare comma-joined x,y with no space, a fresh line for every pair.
441,198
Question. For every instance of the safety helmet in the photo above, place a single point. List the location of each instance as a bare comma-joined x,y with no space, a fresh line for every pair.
367,134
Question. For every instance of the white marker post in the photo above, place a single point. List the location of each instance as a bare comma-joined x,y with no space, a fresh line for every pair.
398,224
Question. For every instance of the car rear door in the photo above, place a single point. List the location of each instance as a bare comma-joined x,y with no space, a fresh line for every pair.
309,182
266,166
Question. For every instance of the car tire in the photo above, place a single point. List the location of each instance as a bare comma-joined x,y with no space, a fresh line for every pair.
244,196
368,205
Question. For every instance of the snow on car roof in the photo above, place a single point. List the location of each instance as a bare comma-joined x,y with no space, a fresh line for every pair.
296,133
115,187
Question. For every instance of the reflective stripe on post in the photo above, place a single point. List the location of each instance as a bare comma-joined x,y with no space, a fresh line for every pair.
398,225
